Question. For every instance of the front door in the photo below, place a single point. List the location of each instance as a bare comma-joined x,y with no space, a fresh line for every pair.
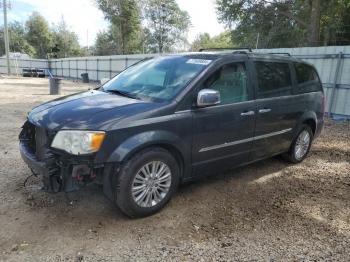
223,133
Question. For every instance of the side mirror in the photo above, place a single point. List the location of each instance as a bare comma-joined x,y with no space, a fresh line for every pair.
104,80
208,97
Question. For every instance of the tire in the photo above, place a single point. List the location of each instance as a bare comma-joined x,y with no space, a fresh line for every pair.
292,155
130,174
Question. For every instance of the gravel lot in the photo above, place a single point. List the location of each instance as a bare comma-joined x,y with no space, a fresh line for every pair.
269,210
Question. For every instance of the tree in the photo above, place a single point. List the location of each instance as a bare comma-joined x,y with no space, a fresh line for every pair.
280,23
204,40
166,24
314,25
124,15
17,40
105,43
65,41
38,35
335,21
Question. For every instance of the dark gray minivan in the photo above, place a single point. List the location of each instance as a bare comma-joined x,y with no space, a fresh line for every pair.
172,119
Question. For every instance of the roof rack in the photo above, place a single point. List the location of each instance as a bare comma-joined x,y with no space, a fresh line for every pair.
222,49
288,54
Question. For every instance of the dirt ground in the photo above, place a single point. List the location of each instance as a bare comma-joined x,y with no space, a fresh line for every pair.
269,210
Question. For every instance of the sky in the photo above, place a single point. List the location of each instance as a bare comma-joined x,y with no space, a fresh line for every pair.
84,18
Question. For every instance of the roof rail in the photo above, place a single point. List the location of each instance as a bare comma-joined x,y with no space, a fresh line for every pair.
228,48
288,54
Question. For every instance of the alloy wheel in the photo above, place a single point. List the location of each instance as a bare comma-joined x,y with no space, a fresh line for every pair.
151,184
302,144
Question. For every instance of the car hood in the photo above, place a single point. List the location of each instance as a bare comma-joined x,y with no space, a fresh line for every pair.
88,110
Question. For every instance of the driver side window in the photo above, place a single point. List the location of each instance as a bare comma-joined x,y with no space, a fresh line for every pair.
231,81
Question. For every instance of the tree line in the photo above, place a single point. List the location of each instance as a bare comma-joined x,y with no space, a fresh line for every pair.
146,26
286,23
37,39
157,26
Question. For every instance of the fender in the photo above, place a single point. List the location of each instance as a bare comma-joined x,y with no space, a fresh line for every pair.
139,142
149,138
309,115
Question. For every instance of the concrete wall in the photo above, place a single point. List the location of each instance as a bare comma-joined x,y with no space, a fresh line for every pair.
332,63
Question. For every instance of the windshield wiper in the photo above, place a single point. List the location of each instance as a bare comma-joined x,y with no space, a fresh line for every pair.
123,93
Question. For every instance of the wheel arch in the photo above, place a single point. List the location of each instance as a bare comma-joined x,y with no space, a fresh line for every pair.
163,139
308,118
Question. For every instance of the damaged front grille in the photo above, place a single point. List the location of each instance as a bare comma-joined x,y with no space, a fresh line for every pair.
27,136
36,140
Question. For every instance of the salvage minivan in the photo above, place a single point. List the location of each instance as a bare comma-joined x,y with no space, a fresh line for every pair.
172,119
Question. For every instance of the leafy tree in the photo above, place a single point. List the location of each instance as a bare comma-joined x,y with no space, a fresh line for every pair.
38,35
280,23
17,40
204,40
124,15
105,43
65,42
166,25
335,22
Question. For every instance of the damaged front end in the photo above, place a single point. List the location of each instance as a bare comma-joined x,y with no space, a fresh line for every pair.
58,170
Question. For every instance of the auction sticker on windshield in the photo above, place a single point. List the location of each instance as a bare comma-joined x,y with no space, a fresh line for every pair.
198,61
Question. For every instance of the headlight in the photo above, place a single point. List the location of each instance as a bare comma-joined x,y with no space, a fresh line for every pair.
78,142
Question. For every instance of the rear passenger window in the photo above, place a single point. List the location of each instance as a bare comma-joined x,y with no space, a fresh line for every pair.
307,78
273,79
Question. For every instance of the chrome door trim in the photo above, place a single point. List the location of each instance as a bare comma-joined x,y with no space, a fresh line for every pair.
264,110
248,113
204,149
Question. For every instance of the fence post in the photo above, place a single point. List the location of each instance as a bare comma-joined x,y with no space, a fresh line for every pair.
334,85
68,68
49,66
76,68
126,62
61,68
110,67
97,68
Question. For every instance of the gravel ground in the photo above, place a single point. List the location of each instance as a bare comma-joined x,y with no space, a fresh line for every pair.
269,210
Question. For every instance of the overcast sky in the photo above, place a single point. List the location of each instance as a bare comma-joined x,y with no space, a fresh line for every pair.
84,18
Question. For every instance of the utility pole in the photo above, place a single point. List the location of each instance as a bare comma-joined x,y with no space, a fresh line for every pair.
6,37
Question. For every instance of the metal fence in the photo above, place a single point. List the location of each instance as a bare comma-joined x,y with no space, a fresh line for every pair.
332,63
97,67
16,65
333,66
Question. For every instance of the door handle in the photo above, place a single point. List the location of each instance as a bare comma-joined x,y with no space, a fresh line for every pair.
247,113
265,110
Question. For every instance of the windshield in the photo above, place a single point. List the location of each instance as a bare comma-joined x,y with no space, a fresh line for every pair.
159,79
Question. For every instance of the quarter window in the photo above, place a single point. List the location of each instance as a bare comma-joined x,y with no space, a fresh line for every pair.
305,73
273,79
307,79
231,81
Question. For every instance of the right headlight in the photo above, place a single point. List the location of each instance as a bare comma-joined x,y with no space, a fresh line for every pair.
78,142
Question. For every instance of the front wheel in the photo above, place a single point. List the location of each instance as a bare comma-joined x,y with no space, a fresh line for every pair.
300,146
146,182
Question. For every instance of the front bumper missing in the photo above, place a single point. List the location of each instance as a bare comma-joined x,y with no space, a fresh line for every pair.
67,174
56,176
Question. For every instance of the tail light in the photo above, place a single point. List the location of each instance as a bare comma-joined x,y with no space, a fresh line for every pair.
324,103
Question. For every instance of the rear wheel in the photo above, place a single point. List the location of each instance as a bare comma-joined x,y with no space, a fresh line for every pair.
300,146
146,182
